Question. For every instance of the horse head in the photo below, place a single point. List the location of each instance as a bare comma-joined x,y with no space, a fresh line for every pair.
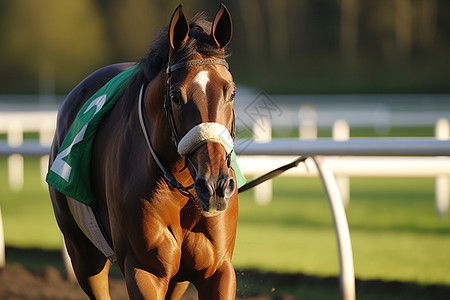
199,106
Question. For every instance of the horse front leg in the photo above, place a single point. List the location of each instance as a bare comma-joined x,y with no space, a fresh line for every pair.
176,290
143,284
148,277
220,286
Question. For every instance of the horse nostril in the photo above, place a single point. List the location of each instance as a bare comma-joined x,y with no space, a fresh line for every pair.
226,187
231,186
214,195
203,188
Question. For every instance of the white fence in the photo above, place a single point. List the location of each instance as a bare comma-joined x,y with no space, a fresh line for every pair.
367,147
316,149
14,125
344,167
344,157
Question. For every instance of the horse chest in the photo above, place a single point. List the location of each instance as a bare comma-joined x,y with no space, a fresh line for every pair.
198,252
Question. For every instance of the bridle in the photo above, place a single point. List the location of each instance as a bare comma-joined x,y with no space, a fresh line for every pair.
215,132
179,66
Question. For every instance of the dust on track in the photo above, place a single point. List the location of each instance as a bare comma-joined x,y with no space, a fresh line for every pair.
22,280
19,283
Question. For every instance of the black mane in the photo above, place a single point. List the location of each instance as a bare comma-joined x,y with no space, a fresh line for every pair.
157,59
199,42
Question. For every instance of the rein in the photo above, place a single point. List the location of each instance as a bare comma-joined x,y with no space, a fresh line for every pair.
199,134
167,175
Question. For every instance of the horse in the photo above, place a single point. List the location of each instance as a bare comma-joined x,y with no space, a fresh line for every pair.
160,171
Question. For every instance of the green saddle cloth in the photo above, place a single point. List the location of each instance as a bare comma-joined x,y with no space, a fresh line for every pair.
70,171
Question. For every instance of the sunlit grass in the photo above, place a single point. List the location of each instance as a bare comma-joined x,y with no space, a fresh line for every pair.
27,214
395,232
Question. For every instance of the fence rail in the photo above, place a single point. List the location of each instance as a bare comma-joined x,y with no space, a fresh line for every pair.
436,151
318,148
353,147
27,148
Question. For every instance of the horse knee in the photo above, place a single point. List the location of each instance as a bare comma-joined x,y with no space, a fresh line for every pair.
220,286
142,283
176,290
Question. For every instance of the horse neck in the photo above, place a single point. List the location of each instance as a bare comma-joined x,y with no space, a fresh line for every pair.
157,122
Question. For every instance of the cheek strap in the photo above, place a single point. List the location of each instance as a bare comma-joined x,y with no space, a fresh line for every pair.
205,133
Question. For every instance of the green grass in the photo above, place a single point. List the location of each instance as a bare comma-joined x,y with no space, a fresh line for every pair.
395,232
356,132
28,215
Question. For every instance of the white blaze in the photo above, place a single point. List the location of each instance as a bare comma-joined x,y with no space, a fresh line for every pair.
202,79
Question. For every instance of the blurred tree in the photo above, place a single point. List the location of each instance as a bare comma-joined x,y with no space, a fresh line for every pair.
378,24
297,18
131,25
306,45
60,37
349,29
403,27
278,30
254,30
427,27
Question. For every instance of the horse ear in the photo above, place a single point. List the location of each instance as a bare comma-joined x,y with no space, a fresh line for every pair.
222,27
178,29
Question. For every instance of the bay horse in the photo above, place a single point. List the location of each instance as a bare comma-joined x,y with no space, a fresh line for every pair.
160,171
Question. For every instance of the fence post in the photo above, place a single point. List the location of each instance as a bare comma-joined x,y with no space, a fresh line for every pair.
262,133
442,182
308,122
341,132
347,272
46,131
15,161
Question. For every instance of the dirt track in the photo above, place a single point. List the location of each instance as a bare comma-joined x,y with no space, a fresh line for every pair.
45,282
18,283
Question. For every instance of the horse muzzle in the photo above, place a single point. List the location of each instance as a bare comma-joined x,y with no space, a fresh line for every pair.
213,191
214,195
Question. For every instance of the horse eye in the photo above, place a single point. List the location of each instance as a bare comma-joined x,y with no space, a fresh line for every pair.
233,94
175,98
